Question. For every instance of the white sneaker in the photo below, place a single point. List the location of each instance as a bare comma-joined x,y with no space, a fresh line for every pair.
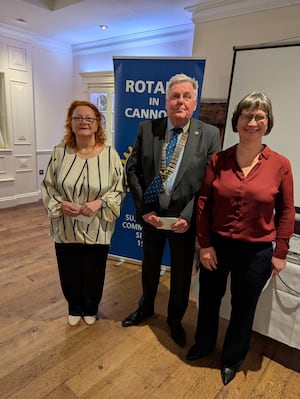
89,320
73,320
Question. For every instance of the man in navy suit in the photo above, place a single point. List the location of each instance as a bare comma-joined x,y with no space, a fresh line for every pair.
178,182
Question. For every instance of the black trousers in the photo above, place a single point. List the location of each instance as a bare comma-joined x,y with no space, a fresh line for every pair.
82,273
182,247
250,268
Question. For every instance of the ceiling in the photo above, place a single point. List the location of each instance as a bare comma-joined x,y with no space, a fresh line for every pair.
76,22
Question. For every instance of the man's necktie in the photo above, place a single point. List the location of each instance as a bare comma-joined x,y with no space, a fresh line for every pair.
155,188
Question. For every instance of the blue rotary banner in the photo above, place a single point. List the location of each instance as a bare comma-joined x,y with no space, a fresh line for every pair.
140,87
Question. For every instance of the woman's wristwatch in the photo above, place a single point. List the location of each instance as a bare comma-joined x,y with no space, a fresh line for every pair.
104,203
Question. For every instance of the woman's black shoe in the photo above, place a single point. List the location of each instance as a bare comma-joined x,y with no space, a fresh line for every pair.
227,374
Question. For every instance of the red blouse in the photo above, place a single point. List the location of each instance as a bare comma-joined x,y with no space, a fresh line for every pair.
256,208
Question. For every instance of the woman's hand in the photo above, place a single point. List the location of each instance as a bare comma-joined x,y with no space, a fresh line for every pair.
278,265
91,208
208,258
69,209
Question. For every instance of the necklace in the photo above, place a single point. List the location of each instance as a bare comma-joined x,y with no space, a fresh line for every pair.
87,151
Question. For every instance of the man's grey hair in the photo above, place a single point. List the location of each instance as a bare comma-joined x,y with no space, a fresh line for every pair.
179,78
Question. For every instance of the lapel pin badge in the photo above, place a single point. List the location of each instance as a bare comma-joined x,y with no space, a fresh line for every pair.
196,132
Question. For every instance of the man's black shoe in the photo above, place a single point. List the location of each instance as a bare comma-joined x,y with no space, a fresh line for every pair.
177,333
196,352
136,318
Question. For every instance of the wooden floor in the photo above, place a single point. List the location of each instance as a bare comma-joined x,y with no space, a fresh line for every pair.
42,357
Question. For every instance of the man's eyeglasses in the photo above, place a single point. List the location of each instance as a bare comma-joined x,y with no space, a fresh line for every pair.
249,117
80,119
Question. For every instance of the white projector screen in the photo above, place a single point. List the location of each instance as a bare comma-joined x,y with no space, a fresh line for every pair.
276,71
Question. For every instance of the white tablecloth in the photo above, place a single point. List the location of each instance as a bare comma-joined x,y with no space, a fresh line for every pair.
278,310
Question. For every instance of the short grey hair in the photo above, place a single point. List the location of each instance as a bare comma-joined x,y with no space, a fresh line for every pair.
179,78
253,101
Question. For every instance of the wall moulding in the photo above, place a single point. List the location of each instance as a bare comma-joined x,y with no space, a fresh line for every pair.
6,180
17,58
20,199
217,9
23,163
148,38
19,92
2,165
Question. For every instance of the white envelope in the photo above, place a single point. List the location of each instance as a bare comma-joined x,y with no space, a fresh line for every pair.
167,222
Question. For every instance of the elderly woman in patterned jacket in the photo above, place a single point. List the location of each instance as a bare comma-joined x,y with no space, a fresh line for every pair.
82,192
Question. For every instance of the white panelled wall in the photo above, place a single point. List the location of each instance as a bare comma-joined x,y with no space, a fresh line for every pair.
18,160
38,86
53,93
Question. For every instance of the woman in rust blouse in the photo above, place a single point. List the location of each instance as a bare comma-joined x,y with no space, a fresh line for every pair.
245,218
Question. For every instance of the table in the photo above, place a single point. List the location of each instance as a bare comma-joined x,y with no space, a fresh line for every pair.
278,310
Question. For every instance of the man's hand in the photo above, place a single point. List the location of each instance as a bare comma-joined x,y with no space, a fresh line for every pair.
153,219
181,226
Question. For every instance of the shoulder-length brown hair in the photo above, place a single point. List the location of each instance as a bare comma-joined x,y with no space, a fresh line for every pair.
253,101
70,138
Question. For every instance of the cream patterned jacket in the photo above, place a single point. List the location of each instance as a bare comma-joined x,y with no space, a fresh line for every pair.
71,178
